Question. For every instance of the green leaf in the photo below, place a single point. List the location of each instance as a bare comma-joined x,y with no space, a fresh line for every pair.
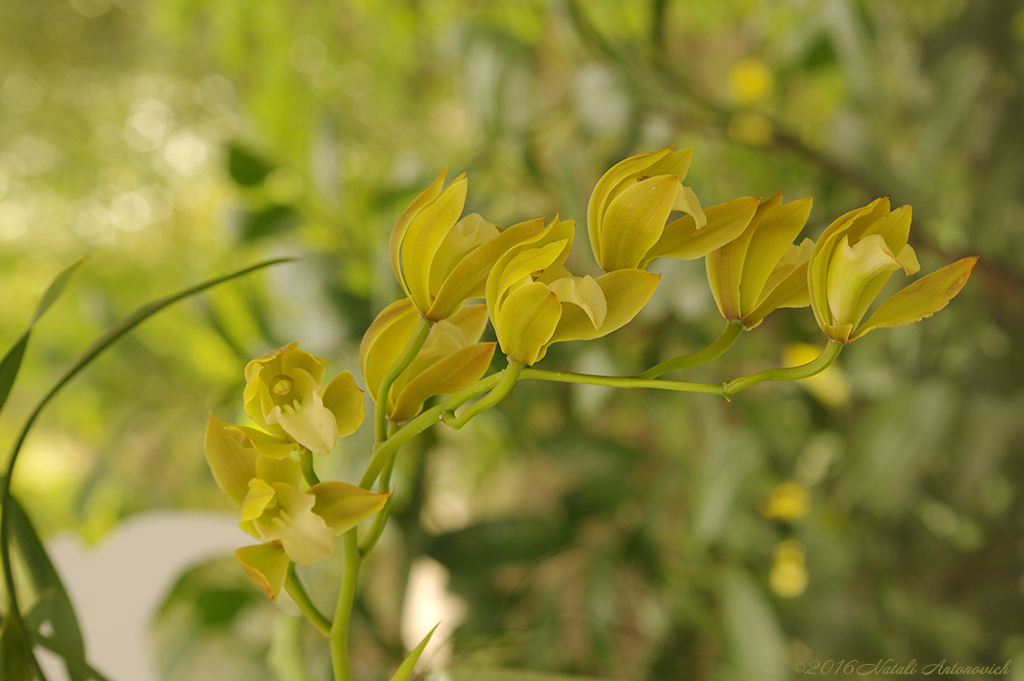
11,362
486,544
15,657
403,672
54,605
108,338
245,167
275,219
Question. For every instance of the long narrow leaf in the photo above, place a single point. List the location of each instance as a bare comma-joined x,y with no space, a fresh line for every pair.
407,666
11,362
54,604
110,336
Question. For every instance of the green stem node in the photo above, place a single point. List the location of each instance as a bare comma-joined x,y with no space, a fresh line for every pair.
816,366
508,379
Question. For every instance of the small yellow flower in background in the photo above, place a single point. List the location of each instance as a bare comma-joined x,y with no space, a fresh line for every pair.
788,501
750,80
788,576
441,261
450,359
534,301
750,128
762,269
284,394
293,524
830,387
853,260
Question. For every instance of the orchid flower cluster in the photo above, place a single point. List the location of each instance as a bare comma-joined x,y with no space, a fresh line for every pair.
429,342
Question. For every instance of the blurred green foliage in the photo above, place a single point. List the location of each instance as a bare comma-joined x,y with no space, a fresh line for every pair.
616,534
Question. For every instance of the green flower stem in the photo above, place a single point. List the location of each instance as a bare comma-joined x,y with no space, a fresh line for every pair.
822,362
428,418
711,352
381,519
622,381
298,593
508,379
380,414
306,461
108,338
343,614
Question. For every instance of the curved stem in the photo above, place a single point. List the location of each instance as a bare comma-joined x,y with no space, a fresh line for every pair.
298,593
508,379
111,335
417,425
711,352
381,519
380,414
816,366
306,462
342,615
622,381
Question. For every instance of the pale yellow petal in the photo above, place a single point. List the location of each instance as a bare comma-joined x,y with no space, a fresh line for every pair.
385,340
676,163
469,276
467,234
682,240
445,377
305,536
824,250
921,299
306,419
584,293
625,292
260,496
343,506
232,463
635,220
791,291
856,275
772,238
604,192
267,444
425,235
687,202
266,565
345,400
425,197
725,263
527,319
278,470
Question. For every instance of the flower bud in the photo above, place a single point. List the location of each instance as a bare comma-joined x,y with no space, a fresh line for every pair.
853,260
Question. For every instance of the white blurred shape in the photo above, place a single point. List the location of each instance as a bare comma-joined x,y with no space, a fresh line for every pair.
185,153
117,586
428,603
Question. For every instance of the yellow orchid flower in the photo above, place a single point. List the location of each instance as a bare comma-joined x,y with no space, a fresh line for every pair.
788,576
450,359
439,260
284,394
762,269
534,301
853,260
630,204
293,524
